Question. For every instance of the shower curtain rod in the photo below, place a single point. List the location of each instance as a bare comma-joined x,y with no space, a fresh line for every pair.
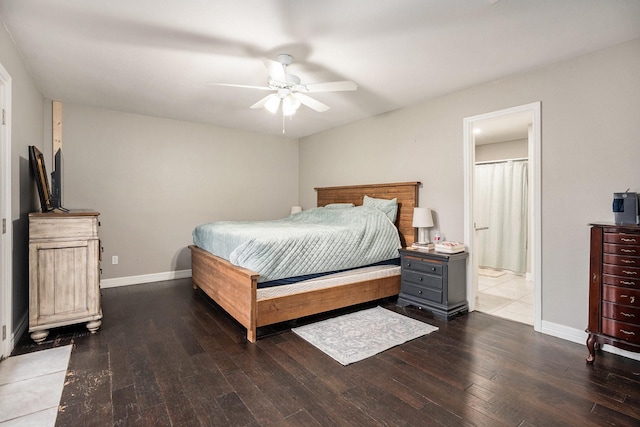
490,162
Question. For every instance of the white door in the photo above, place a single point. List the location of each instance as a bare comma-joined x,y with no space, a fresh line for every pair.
6,338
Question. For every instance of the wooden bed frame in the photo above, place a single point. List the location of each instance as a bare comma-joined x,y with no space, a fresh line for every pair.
235,288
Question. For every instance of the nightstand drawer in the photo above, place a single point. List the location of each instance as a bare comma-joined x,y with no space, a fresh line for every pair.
621,312
421,279
414,263
422,292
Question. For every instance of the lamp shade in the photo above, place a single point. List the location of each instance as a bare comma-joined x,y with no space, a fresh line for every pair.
422,218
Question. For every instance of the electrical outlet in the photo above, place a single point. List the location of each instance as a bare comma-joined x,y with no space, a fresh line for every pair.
114,259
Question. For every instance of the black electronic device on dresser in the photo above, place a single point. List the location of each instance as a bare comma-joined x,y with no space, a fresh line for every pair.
434,281
614,288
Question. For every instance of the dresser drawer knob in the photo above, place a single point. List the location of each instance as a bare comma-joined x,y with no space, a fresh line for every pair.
420,292
629,251
420,278
629,272
628,261
632,298
627,332
627,240
627,314
433,269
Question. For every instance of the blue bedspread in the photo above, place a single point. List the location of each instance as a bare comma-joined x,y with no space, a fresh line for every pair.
313,241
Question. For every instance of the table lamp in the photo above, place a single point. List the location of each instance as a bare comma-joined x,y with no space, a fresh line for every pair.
422,219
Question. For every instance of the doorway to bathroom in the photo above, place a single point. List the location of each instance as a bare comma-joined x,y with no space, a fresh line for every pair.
502,226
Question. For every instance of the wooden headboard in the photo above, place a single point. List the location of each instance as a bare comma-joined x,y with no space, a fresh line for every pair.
405,192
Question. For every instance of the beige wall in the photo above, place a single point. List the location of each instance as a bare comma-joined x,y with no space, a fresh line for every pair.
26,129
505,150
153,180
590,149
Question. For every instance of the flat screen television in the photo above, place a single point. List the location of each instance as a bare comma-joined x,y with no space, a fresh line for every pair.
42,182
56,181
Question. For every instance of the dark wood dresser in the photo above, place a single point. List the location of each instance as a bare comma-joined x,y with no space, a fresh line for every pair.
614,288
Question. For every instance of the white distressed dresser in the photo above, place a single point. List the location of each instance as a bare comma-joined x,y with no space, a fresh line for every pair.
64,271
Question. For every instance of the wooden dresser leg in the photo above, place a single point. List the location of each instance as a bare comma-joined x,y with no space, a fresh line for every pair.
591,346
39,336
94,325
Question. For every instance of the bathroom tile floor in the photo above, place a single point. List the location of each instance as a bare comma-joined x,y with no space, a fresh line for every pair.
31,386
509,296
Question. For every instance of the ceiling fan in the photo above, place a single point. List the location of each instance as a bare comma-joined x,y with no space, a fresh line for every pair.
289,89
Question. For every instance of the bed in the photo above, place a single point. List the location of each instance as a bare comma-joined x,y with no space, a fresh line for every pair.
235,289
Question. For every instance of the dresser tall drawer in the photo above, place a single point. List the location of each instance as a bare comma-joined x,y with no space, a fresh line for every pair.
622,330
619,270
415,263
422,292
622,238
624,260
624,296
610,248
421,279
621,312
626,282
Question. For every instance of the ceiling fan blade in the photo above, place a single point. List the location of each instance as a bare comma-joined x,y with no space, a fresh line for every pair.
263,101
276,70
310,102
242,86
332,86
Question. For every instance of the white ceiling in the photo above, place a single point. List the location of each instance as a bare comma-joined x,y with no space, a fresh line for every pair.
159,57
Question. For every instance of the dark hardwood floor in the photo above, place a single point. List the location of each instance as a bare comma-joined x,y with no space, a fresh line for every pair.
166,355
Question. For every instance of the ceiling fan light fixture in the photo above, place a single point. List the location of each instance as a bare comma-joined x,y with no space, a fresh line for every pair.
290,105
272,104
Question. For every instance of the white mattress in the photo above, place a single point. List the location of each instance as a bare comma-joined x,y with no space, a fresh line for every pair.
331,280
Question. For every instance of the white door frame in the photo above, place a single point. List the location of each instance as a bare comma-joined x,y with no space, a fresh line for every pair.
6,306
535,239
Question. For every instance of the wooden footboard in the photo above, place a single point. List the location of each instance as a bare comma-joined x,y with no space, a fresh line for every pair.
231,287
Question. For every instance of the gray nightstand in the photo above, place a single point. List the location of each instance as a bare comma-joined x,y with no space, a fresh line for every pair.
434,281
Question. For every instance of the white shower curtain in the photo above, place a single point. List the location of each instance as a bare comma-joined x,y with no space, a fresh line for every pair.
501,204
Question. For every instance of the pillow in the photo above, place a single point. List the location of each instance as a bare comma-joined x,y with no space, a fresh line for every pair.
339,205
389,207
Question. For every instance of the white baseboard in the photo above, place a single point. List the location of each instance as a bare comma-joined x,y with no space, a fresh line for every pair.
145,278
579,336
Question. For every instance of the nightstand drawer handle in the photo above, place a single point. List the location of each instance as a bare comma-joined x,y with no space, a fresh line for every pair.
408,264
420,279
628,261
627,314
633,298
627,240
433,269
629,272
420,292
629,251
624,282
627,332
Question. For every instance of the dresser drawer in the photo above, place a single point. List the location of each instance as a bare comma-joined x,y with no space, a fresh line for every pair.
430,266
622,330
81,227
608,279
610,248
624,296
622,238
624,260
422,292
421,279
621,312
619,270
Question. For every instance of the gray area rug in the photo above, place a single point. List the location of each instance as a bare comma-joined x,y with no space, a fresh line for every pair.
362,334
